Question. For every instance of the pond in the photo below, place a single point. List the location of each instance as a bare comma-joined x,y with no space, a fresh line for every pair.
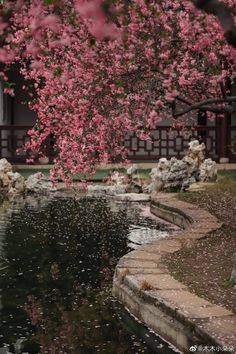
57,260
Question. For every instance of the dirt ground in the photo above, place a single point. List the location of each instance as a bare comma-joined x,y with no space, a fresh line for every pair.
206,266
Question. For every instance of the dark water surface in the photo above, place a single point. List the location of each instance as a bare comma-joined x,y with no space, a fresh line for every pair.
57,259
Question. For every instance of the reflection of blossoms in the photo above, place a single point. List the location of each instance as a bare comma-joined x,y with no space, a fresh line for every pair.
34,310
54,270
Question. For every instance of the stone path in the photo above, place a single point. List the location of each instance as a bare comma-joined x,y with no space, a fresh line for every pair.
145,286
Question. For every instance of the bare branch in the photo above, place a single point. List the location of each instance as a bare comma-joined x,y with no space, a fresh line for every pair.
224,14
184,100
206,105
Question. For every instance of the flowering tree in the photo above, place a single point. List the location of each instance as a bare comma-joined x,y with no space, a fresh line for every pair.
102,69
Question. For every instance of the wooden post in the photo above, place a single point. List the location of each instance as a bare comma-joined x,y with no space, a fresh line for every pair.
221,130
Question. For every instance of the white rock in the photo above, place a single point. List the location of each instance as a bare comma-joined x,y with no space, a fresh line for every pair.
208,171
180,174
132,169
133,197
17,182
106,190
39,183
117,178
195,147
4,181
10,183
5,166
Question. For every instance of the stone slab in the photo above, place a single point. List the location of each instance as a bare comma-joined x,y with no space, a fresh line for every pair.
201,215
205,225
142,256
131,263
161,281
204,312
188,235
133,197
222,329
133,271
182,298
162,246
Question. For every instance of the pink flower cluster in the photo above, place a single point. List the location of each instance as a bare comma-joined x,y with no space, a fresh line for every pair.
100,75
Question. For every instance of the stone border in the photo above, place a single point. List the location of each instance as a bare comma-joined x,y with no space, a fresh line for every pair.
146,287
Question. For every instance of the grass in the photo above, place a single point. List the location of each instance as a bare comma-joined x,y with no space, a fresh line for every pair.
229,174
99,175
205,267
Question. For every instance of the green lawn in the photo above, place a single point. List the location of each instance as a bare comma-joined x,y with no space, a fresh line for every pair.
101,174
206,265
229,174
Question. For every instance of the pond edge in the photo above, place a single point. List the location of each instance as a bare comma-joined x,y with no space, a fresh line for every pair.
147,289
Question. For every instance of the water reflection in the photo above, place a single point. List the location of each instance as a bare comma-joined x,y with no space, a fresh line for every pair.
57,262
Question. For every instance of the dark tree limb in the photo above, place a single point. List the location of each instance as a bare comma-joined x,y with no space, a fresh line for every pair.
206,105
223,90
184,100
225,16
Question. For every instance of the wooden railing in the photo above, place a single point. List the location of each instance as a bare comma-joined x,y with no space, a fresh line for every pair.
13,138
163,143
167,143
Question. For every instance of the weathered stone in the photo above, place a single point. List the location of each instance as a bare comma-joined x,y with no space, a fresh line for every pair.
208,171
132,170
17,183
204,312
134,183
180,174
39,183
10,183
182,298
222,329
117,178
160,281
161,247
191,305
5,166
196,151
131,263
142,256
121,272
177,175
133,197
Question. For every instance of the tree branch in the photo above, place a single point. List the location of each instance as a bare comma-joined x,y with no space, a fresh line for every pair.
223,90
224,14
184,100
205,106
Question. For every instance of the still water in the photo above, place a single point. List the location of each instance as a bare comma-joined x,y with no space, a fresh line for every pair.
57,259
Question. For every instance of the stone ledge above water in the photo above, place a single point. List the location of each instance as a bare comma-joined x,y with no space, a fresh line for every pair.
149,291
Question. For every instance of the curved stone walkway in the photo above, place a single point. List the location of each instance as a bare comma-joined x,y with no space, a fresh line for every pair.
145,286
